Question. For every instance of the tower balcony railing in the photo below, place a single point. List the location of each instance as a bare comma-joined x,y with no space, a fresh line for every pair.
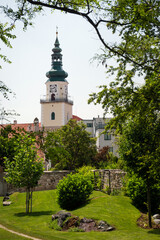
45,99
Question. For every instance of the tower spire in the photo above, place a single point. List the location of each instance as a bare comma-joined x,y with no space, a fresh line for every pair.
56,73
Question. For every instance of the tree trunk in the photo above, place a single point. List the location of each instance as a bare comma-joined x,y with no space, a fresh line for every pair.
31,201
149,204
27,200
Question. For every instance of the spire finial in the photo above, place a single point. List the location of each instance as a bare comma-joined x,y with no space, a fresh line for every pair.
56,31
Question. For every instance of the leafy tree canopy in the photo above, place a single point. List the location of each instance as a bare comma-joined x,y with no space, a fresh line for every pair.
70,147
8,138
140,149
136,21
135,50
26,168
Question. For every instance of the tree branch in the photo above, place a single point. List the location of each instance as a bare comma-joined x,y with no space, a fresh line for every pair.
94,25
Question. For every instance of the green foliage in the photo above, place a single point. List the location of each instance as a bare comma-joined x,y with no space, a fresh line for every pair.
136,189
139,146
8,144
73,191
87,172
102,158
106,160
54,225
26,167
92,176
140,149
5,36
59,147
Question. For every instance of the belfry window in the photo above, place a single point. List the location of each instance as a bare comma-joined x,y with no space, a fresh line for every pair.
52,97
52,116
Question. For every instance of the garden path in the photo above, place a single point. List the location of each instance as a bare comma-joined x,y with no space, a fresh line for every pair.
20,234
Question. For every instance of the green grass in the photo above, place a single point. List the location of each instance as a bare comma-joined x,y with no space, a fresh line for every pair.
5,235
116,210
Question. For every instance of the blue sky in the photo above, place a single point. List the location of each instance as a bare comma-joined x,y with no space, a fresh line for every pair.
31,59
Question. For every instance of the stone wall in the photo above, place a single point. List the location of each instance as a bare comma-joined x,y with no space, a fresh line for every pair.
111,179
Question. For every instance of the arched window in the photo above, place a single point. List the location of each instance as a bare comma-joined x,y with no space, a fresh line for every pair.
52,116
52,97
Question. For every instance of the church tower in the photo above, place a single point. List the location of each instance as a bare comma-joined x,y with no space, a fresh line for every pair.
56,108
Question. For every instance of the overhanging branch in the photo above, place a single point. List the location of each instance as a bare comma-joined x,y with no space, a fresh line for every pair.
94,25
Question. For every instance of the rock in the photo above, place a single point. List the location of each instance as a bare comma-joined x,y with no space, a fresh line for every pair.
86,220
71,222
110,228
74,222
61,216
156,221
87,227
60,222
156,216
103,226
5,203
55,216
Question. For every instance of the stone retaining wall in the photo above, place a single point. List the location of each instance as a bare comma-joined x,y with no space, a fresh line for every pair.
111,179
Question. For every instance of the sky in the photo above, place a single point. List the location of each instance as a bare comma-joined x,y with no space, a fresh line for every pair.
31,59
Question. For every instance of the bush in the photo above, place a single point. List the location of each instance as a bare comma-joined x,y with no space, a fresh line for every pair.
92,176
73,191
87,172
136,189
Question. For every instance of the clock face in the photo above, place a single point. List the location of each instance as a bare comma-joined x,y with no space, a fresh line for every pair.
53,88
66,89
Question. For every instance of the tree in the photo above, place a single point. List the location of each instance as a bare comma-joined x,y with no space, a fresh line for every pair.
8,143
5,36
102,157
70,147
140,149
136,22
135,25
26,168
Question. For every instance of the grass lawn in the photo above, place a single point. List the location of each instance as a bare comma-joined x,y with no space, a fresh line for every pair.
116,210
4,235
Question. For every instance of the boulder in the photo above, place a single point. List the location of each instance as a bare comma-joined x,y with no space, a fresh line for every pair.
6,203
156,221
85,224
61,216
104,226
156,216
71,223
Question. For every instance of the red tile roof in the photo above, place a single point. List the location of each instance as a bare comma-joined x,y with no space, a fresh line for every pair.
26,126
76,118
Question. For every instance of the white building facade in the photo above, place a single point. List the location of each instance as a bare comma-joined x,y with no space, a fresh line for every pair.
96,127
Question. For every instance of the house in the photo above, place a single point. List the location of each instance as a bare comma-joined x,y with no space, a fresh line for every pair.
96,127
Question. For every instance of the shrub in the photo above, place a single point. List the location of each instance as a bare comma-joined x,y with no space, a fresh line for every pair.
87,172
136,189
73,191
92,176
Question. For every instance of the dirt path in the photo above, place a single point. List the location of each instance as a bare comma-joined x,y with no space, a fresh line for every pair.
20,234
